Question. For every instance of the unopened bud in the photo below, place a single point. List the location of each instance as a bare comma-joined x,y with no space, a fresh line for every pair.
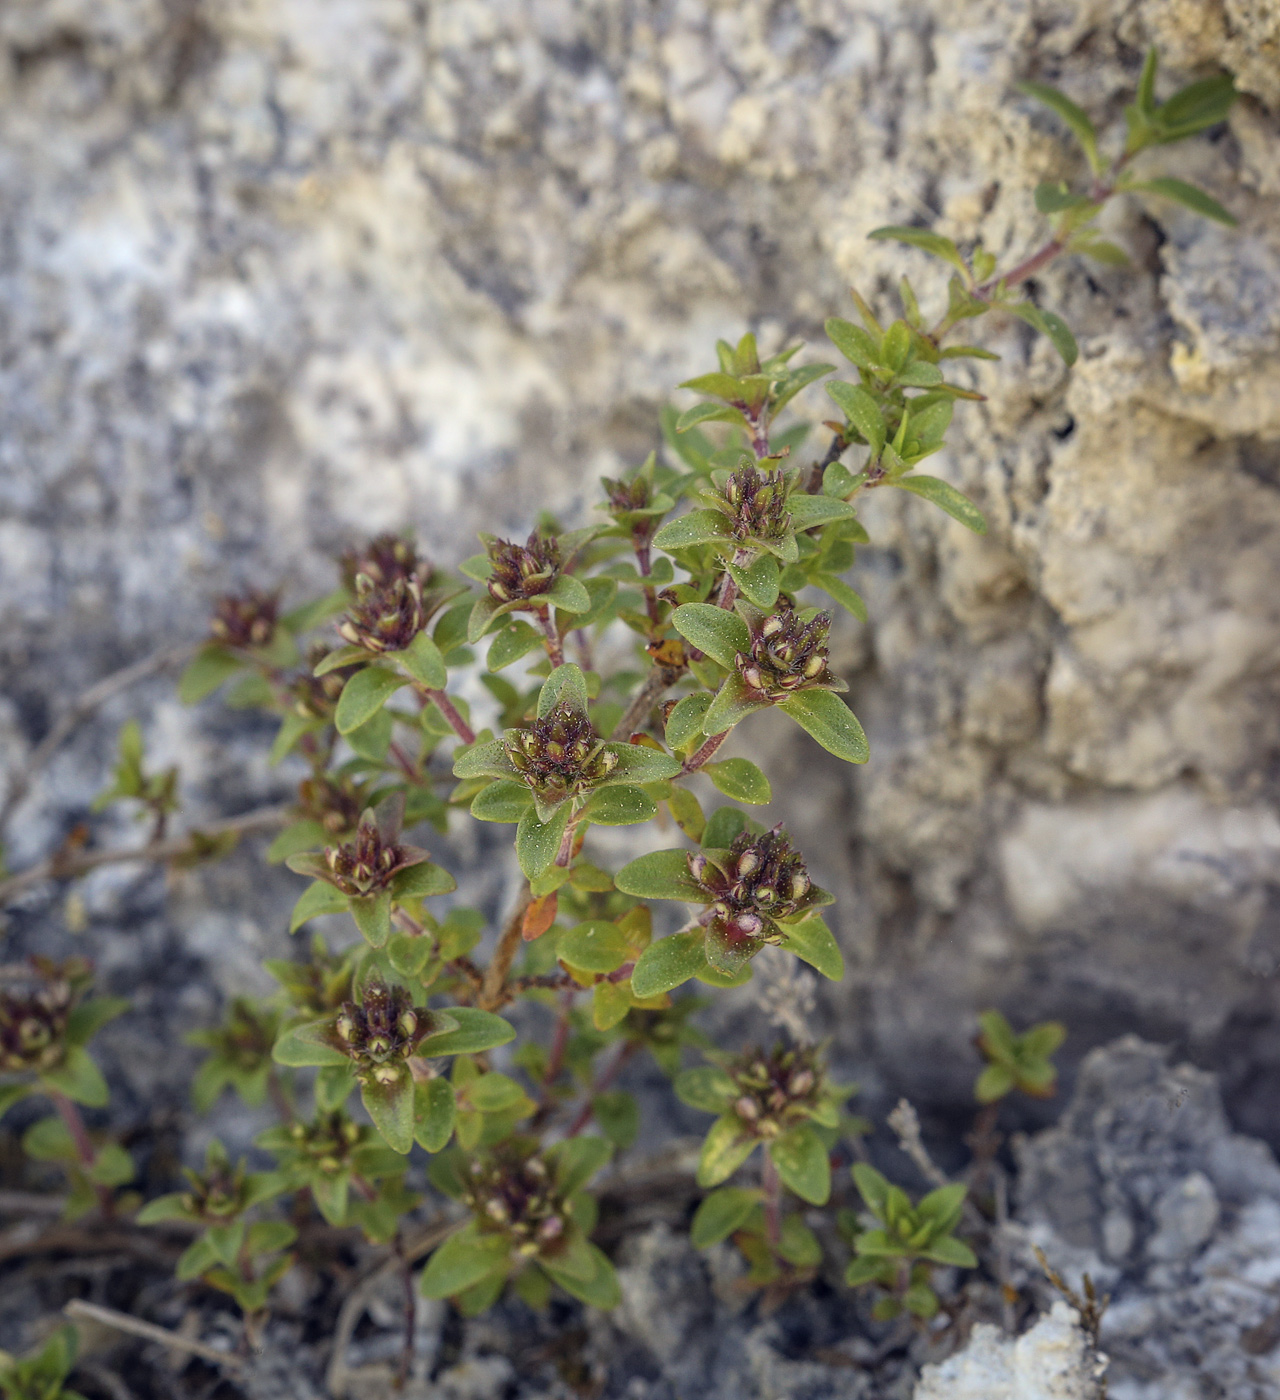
771,627
697,866
551,1228
801,1083
747,862
407,1023
747,1109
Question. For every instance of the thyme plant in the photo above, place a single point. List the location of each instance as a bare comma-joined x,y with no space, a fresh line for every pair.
700,597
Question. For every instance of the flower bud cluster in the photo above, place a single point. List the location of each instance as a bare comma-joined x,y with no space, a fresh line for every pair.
34,1007
776,1090
561,755
246,1037
511,1190
327,1142
220,1192
368,864
383,561
626,495
523,571
786,654
758,503
245,620
380,1035
385,616
761,880
334,802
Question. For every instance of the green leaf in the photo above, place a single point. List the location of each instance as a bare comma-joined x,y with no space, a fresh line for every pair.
695,528
733,702
308,1044
719,633
921,238
723,826
660,875
296,838
707,1088
684,723
87,1019
371,740
803,1164
434,1111
333,1086
798,1244
862,411
855,344
809,511
1053,196
705,413
638,763
487,759
502,801
569,595
741,780
1047,323
211,666
1188,195
566,683
112,1166
830,721
78,1078
462,1261
758,583
574,1161
422,659
967,352
538,843
668,962
618,1115
318,898
372,915
11,1094
724,1150
720,1214
364,695
391,1108
872,1187
511,644
601,1290
163,1208
946,497
843,594
1076,119
813,942
950,1250
493,1093
994,1083
477,1031
594,946
1042,1040
1196,107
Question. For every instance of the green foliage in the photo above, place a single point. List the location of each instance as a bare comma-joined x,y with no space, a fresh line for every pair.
1017,1061
41,1376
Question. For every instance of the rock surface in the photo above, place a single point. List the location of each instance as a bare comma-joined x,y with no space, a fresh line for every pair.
273,275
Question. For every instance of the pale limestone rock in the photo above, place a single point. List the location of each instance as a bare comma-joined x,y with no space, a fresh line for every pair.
1052,1361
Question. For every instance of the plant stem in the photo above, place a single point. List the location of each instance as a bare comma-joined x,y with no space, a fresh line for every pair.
1027,268
85,1154
835,450
65,865
565,854
659,679
410,1319
495,977
703,755
559,1043
135,1327
771,1185
607,1076
640,543
459,725
555,648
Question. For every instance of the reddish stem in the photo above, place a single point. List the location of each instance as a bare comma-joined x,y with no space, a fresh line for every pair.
771,1184
80,1139
459,725
607,1077
703,755
555,648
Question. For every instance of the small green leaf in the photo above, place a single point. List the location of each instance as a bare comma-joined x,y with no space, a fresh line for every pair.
994,1083
1076,119
798,1244
434,1111
843,594
487,759
707,1088
703,413
422,659
502,801
1050,324
956,504
813,942
695,528
810,511
660,875
855,344
391,1108
928,242
601,1290
862,411
364,695
211,667
307,1044
803,1164
1188,195
830,721
78,1078
462,1261
720,1214
717,632
372,915
317,899
733,702
594,946
574,1161
477,1030
952,1251
741,780
618,1115
667,963
638,763
538,843
724,1150
685,722
565,684
758,583
569,595
493,1093
511,644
